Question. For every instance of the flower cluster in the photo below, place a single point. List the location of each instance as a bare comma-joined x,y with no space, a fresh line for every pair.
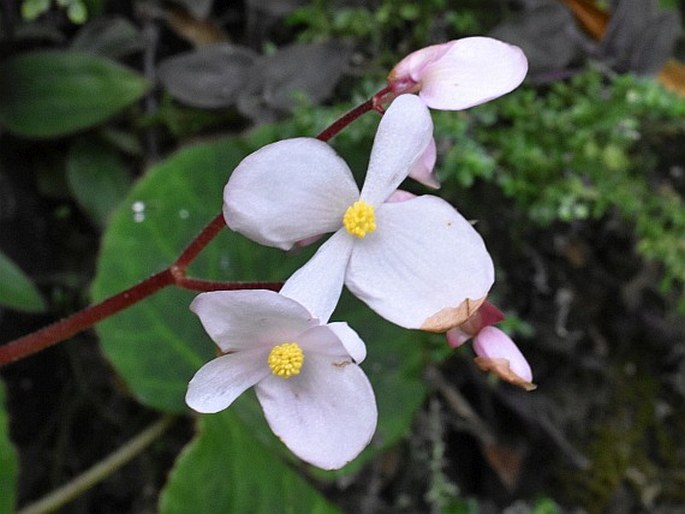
414,260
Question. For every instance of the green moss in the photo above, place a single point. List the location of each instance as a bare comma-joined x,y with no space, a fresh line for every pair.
631,447
586,148
382,25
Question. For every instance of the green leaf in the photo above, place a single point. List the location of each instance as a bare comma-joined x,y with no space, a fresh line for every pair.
97,177
55,93
8,461
225,469
16,289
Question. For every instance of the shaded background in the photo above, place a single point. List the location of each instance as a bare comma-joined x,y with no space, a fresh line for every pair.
576,180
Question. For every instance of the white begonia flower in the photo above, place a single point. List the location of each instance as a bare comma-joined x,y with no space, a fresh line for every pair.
417,263
461,73
315,397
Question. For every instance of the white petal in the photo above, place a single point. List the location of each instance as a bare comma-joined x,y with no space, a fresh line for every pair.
423,267
317,285
334,340
403,135
288,191
326,415
350,339
219,382
423,170
238,320
473,71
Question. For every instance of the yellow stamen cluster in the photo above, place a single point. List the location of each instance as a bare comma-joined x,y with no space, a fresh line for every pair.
360,219
285,360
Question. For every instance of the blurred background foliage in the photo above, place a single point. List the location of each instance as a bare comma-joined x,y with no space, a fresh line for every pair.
120,121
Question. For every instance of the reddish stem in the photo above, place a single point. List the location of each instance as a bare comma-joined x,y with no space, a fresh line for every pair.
196,284
372,104
200,242
67,327
174,274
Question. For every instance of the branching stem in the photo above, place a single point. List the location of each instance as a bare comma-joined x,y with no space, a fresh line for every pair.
175,274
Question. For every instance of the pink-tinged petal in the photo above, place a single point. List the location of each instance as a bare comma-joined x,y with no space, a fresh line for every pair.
245,319
423,170
405,77
289,191
475,70
403,135
302,243
499,354
423,267
487,314
318,284
400,195
457,336
219,382
326,415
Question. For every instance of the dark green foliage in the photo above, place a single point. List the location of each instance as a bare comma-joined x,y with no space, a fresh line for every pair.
47,94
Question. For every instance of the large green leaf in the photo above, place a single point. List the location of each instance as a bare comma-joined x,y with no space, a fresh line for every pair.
225,469
8,461
53,93
16,289
158,344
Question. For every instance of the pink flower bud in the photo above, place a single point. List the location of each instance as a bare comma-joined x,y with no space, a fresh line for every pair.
461,73
400,195
499,354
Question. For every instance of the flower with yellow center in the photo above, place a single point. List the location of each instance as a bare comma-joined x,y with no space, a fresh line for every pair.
359,219
417,263
325,411
285,360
